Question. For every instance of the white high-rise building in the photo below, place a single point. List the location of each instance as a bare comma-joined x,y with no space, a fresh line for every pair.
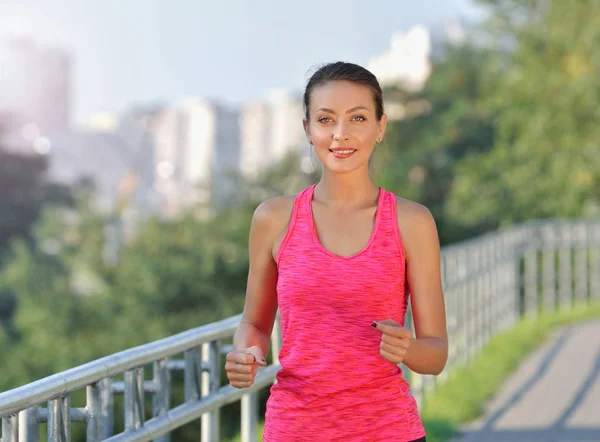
270,129
198,138
407,63
255,136
210,143
35,86
287,132
195,154
168,159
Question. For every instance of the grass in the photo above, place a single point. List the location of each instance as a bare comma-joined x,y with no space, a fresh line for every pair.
452,405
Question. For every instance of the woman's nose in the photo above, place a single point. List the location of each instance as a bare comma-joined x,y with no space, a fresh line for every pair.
340,132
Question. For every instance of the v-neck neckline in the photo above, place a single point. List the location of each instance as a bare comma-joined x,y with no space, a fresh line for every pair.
315,235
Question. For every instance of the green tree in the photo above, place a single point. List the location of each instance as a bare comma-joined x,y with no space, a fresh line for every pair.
443,123
546,159
51,282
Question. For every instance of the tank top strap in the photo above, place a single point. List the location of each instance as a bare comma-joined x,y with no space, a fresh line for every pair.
304,204
299,221
388,210
388,223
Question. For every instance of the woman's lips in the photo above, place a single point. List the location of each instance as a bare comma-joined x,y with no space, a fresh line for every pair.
342,152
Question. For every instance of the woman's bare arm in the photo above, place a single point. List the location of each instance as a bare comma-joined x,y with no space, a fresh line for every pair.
428,351
268,223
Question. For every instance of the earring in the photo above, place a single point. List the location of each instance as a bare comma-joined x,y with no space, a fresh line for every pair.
379,140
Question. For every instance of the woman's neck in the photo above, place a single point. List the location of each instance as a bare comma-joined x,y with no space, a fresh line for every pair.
346,190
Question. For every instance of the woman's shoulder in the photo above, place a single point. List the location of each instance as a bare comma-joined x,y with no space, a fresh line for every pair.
411,210
275,213
415,220
275,208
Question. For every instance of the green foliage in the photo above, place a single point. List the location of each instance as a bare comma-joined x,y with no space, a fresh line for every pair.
546,159
444,123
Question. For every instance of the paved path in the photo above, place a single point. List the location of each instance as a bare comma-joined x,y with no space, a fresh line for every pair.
554,396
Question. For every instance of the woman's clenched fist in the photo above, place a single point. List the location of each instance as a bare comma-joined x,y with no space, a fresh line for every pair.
241,365
395,340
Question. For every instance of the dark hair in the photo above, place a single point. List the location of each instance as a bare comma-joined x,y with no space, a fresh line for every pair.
343,71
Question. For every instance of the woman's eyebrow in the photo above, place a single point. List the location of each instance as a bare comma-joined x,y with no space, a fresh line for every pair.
324,109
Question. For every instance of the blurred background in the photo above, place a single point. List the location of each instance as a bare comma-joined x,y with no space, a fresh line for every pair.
137,138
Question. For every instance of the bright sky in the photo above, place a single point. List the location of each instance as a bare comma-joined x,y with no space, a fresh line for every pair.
139,51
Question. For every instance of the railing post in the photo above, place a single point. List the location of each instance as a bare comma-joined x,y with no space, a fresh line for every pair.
516,279
107,407
406,373
494,278
96,412
160,400
192,375
10,429
489,304
531,276
134,399
463,310
211,381
549,274
59,419
249,417
580,247
474,295
594,272
581,277
29,425
482,308
276,340
565,269
93,424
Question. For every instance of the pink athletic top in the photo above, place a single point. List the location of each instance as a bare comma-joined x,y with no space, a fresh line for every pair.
333,384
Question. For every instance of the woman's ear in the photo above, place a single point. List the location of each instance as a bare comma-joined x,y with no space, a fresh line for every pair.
382,126
306,131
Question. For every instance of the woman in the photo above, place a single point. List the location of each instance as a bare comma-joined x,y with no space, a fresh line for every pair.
338,259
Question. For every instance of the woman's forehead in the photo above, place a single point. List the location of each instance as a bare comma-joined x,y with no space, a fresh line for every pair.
341,95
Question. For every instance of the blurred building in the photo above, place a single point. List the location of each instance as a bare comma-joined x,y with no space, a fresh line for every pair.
35,85
192,150
255,138
167,159
210,142
100,159
270,129
407,63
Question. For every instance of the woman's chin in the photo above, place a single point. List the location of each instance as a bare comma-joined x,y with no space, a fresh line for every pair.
343,167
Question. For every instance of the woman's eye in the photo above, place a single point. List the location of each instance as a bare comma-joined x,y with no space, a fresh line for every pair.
361,117
322,120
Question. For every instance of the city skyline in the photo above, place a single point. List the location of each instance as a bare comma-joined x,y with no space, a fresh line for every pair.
169,156
165,54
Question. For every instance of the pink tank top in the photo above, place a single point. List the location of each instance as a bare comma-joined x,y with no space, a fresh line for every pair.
333,384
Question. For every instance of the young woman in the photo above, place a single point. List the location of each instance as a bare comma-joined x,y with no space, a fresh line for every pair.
339,260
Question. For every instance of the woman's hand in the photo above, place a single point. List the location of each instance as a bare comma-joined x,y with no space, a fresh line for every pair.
241,366
395,340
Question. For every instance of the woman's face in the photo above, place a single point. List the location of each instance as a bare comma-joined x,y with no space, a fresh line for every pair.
343,126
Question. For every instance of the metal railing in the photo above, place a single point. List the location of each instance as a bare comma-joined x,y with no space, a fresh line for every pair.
489,283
